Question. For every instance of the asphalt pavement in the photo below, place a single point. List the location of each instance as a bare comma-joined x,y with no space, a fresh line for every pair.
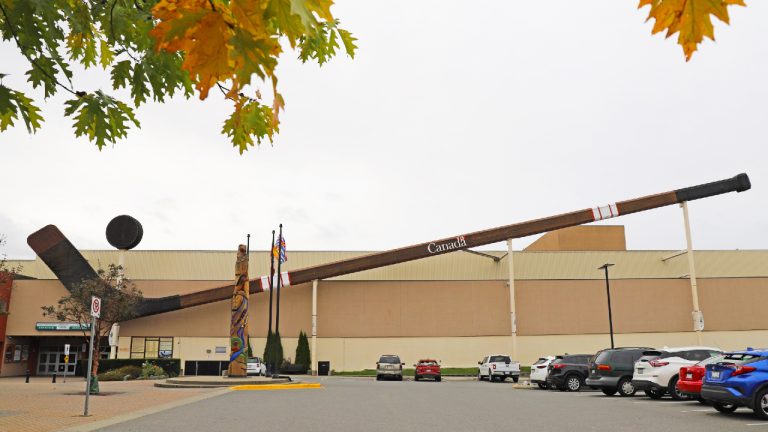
358,404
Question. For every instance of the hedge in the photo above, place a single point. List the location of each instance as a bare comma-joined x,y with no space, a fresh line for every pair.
172,367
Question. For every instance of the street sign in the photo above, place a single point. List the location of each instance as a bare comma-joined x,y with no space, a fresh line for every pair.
66,359
95,307
66,349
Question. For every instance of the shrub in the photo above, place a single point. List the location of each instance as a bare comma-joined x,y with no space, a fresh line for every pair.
123,373
172,367
149,370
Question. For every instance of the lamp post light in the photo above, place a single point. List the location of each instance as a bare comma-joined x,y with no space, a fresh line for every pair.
608,292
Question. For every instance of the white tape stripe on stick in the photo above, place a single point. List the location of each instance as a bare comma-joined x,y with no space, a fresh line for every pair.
285,279
265,283
605,212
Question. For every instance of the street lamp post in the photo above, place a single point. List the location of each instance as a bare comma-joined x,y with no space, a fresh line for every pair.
608,292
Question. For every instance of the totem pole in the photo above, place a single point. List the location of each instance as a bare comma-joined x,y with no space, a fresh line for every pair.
238,330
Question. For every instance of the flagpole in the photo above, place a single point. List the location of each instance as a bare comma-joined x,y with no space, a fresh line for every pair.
271,276
276,370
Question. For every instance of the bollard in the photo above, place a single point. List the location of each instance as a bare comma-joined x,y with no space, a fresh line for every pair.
26,376
54,379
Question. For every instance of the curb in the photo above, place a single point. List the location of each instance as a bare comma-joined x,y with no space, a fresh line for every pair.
277,386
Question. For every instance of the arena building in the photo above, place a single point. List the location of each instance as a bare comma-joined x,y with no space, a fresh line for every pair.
454,307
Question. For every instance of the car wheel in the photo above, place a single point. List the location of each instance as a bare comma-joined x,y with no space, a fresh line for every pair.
702,400
724,407
655,393
674,392
573,383
490,377
479,377
609,392
543,386
399,377
378,377
626,388
438,378
515,379
761,404
415,377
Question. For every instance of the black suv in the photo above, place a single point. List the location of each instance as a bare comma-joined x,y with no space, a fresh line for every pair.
568,372
610,370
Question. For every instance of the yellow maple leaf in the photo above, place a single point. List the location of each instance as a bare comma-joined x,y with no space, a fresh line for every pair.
201,31
690,18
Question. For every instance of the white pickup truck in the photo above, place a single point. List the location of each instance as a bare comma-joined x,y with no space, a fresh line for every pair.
498,366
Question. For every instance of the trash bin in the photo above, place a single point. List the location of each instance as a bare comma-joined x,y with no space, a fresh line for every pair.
323,367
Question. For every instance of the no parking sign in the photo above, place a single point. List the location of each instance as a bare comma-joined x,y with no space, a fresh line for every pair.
95,307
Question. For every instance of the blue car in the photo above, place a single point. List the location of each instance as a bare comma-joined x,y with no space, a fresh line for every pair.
739,379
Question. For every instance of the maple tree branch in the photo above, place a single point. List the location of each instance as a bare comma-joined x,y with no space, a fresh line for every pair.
29,58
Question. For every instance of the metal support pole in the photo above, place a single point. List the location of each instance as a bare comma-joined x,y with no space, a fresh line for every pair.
512,309
608,293
698,317
90,366
314,327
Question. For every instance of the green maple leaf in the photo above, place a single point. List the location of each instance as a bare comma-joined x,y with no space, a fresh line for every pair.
102,118
121,74
251,120
42,74
14,104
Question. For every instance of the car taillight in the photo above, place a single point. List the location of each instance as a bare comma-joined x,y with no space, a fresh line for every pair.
657,363
603,367
540,367
558,366
494,365
742,370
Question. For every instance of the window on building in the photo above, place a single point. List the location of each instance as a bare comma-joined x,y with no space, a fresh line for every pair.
151,347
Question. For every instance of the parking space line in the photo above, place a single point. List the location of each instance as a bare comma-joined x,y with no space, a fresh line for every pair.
699,410
757,424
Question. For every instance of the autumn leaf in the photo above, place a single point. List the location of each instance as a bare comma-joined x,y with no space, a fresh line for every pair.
690,18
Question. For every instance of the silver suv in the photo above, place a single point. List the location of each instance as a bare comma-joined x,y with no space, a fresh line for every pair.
391,366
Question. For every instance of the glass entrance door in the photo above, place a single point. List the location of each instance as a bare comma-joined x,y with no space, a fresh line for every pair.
51,361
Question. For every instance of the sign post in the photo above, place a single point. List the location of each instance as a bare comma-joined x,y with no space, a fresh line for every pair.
95,313
66,361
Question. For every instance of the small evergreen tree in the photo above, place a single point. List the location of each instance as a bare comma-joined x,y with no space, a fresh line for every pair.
271,357
303,357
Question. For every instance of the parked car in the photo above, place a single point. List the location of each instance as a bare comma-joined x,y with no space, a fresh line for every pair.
389,365
539,371
568,372
427,368
498,366
657,372
610,370
740,378
691,378
255,366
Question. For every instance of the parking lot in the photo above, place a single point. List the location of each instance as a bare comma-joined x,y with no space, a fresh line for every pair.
363,404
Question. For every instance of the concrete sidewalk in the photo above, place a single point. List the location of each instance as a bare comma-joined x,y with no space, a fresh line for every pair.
42,406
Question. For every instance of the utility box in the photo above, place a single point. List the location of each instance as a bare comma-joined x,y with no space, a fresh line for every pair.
323,368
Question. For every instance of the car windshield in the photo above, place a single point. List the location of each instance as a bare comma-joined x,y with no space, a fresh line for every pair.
540,361
428,363
602,357
739,358
500,359
389,359
711,360
254,360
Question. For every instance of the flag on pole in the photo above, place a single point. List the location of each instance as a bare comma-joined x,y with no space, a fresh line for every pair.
278,250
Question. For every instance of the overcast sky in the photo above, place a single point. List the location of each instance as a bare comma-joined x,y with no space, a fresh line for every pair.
453,117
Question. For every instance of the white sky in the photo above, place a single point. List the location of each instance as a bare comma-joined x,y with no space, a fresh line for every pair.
454,117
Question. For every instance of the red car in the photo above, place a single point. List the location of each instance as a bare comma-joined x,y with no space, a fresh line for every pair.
427,368
691,378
